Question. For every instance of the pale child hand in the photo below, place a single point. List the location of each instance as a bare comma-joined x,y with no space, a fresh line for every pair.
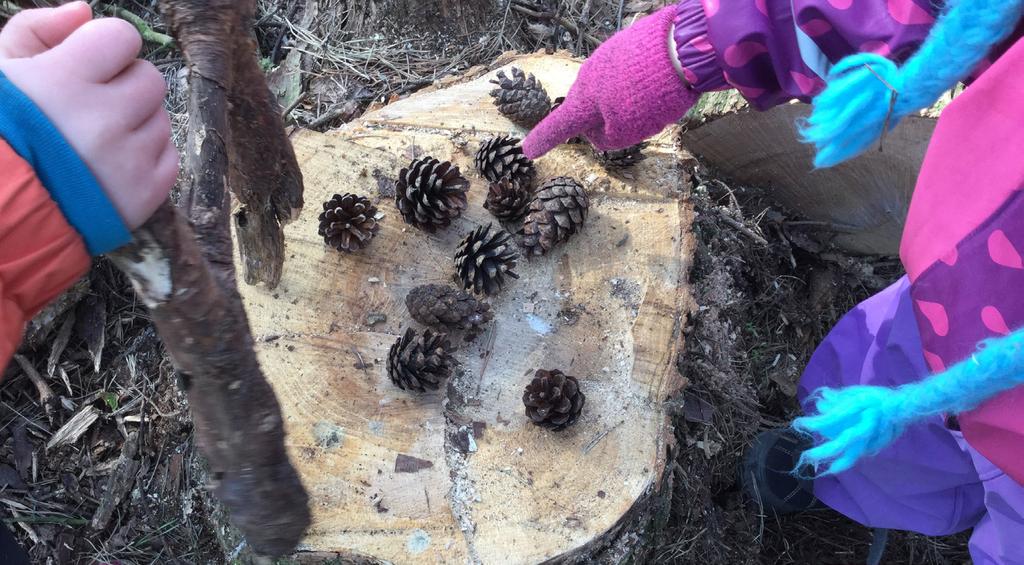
85,76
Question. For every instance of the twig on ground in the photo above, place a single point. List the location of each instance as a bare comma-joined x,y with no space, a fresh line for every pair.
47,399
573,28
148,34
740,227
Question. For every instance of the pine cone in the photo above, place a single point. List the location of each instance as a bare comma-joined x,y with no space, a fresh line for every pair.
443,306
348,222
501,157
554,106
557,211
622,158
521,97
484,258
430,194
553,400
420,362
508,200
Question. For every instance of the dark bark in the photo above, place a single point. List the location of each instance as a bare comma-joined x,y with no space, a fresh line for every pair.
237,417
186,277
264,175
230,97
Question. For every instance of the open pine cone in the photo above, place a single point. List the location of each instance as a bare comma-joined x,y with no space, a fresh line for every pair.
557,211
430,193
621,158
521,97
484,259
348,222
508,200
420,362
443,306
553,400
501,157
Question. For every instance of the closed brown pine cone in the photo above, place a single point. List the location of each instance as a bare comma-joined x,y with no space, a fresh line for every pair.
420,363
443,306
558,210
553,400
622,158
508,200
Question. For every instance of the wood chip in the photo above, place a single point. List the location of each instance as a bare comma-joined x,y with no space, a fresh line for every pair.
74,428
59,343
409,464
119,483
22,450
91,325
10,479
47,399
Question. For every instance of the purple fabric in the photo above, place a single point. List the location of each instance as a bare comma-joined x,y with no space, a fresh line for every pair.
756,43
971,295
626,91
756,49
930,480
696,56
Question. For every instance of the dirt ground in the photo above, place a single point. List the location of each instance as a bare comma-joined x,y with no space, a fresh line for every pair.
125,485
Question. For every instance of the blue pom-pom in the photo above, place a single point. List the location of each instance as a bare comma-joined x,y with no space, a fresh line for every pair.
851,112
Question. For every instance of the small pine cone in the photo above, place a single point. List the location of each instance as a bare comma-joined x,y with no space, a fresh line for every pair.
484,258
557,211
521,97
420,362
430,193
508,200
621,158
348,222
501,157
443,306
554,106
553,400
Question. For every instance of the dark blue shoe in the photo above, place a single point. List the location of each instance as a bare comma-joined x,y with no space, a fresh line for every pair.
767,473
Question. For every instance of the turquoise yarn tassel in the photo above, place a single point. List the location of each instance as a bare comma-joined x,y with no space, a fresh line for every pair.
859,421
858,104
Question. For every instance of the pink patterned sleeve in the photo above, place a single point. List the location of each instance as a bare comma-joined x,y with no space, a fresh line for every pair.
775,51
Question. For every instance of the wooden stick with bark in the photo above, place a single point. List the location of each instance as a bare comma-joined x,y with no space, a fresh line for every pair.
180,264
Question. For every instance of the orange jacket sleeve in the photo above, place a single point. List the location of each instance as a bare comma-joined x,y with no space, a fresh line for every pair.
40,254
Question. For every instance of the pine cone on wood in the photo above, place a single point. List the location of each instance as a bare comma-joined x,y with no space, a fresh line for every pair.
348,222
443,306
508,200
501,157
553,400
430,193
521,97
484,259
621,158
557,211
420,362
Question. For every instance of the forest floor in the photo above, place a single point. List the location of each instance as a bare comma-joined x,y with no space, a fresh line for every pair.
97,458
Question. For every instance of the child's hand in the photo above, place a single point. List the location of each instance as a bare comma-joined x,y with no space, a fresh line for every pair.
627,91
108,104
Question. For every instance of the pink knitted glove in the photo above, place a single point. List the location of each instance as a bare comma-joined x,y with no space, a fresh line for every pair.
627,91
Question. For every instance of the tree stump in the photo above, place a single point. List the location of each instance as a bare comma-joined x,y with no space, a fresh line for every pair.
461,475
864,200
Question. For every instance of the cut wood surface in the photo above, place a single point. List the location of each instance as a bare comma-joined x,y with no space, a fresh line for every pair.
864,201
461,475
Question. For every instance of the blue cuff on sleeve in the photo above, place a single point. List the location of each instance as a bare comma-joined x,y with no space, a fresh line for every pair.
71,184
